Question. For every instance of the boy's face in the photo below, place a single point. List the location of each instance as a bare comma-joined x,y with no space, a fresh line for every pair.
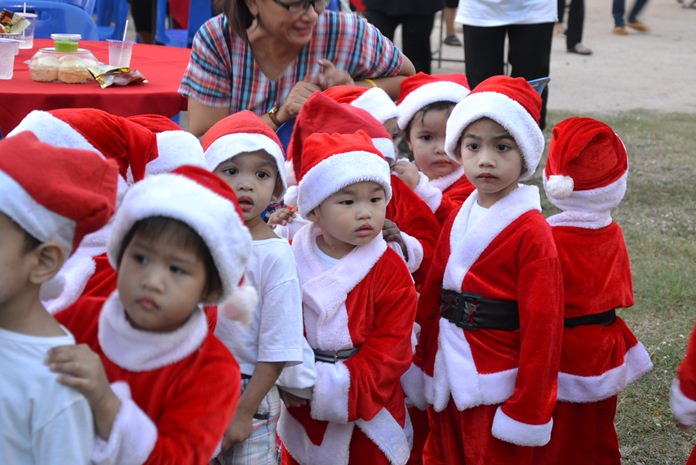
253,177
491,160
15,263
427,143
160,283
352,216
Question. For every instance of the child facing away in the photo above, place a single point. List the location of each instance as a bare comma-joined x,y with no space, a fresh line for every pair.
682,397
243,151
162,388
585,177
42,220
424,104
358,306
491,308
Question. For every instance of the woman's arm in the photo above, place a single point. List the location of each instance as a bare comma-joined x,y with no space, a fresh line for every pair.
202,117
391,84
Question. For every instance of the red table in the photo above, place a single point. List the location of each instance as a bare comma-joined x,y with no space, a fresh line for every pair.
162,66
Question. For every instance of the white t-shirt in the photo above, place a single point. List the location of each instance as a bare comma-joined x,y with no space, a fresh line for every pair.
488,13
41,421
477,211
275,333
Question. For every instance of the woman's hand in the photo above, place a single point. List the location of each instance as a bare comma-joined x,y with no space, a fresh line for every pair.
297,97
332,76
407,172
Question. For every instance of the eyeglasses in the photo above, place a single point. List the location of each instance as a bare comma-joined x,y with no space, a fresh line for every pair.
297,8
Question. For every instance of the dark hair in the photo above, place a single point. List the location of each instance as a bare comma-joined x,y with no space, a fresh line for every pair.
435,106
168,229
238,15
30,242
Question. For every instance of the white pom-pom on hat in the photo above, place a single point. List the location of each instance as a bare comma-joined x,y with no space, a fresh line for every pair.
241,304
559,186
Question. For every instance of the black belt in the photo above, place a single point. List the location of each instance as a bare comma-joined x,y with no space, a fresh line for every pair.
472,311
328,356
604,319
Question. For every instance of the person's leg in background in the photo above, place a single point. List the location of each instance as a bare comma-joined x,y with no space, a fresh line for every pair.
559,28
483,52
382,21
448,15
415,37
633,21
618,10
143,12
529,55
576,22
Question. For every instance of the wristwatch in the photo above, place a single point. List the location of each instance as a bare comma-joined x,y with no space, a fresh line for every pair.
272,115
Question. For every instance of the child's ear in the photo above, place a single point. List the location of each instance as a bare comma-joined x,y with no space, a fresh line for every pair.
49,259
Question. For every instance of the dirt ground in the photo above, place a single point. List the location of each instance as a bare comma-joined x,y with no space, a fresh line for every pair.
654,71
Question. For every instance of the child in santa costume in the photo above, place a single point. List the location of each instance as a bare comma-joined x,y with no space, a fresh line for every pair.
491,308
585,176
683,395
358,304
243,151
42,221
161,386
424,104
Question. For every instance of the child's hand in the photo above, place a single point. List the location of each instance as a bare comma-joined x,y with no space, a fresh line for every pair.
407,172
331,75
391,233
237,431
292,400
282,217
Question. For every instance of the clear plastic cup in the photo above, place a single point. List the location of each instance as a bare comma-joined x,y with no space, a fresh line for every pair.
7,57
120,52
27,39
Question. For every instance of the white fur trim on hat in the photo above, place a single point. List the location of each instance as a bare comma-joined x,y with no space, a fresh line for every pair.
240,306
231,145
505,111
559,186
441,91
377,102
601,199
175,149
213,217
37,220
385,147
338,171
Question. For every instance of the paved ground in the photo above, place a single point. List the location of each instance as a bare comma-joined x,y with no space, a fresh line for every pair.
652,71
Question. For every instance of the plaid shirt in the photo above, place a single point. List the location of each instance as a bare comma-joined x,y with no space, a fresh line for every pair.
222,71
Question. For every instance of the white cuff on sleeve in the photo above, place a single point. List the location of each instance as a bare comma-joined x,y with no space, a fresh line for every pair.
330,400
414,250
430,194
510,430
683,408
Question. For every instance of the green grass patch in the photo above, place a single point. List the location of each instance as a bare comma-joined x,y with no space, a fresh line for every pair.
658,219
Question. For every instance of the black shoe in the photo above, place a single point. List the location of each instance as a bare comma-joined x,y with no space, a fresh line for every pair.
453,41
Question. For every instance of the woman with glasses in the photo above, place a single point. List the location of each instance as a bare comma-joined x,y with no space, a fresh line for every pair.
269,56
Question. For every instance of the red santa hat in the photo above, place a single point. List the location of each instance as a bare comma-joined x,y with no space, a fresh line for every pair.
510,102
78,197
175,147
201,200
373,100
586,159
239,133
330,162
422,89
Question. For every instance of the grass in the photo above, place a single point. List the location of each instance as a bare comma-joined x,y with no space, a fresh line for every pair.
658,217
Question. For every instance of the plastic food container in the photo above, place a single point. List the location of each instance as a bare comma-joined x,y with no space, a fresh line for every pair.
66,42
48,65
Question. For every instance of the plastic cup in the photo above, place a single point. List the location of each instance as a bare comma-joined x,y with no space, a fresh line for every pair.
12,35
27,39
7,57
120,53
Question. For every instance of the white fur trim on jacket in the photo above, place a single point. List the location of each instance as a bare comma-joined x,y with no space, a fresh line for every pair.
505,111
510,430
42,223
330,399
334,448
683,408
413,384
378,103
574,388
444,182
175,149
414,250
429,193
230,145
393,440
441,91
338,171
133,434
138,350
213,217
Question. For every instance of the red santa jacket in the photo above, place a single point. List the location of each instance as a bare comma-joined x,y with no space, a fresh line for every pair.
446,194
683,396
509,254
366,301
414,218
597,361
178,390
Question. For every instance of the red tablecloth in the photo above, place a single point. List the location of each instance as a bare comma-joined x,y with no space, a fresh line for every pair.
162,66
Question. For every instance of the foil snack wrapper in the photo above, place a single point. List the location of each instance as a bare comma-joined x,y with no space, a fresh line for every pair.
107,76
12,23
